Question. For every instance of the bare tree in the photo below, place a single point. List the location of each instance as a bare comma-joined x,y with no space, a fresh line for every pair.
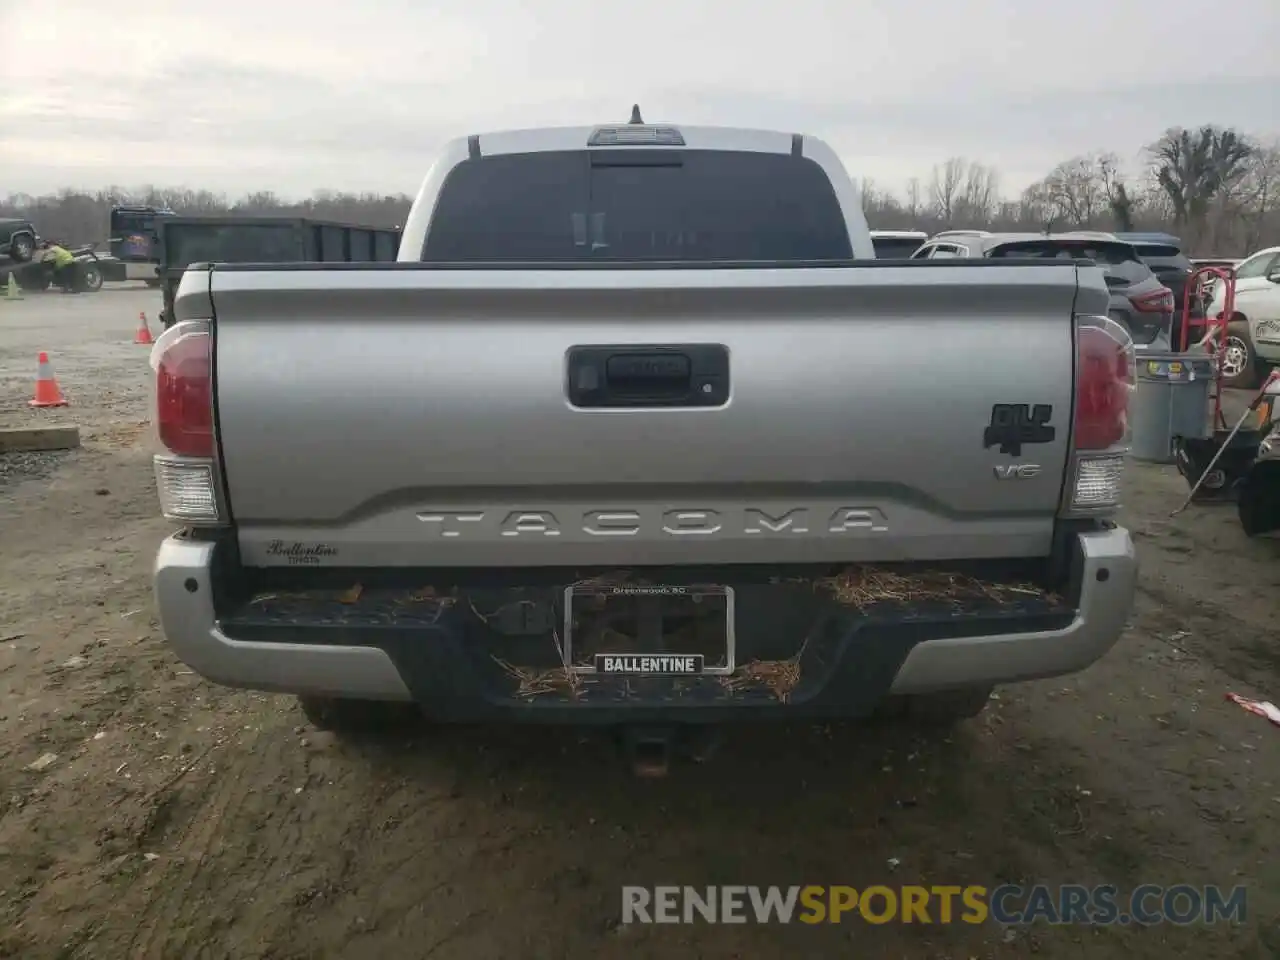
1038,207
945,188
1116,190
981,193
257,203
1259,194
1076,187
915,205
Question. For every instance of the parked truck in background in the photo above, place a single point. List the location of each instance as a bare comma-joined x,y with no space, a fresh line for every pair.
133,239
626,437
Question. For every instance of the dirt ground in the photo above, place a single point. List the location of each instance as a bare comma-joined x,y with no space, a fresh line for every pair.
178,819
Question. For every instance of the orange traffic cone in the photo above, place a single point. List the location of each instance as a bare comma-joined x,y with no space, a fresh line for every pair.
48,393
144,332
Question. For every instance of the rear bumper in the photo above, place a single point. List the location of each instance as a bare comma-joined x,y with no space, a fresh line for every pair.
184,589
436,670
1109,577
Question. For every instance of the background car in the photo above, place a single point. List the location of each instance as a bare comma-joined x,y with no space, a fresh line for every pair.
897,244
1140,302
1253,333
17,239
1208,284
1163,253
1229,263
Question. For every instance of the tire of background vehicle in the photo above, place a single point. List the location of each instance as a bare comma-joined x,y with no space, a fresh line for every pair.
22,248
938,709
153,284
1240,354
358,716
91,277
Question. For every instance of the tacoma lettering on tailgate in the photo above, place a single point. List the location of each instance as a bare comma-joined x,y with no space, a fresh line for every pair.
681,522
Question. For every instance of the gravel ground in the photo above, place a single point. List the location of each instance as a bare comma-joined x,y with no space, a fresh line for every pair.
40,465
89,339
178,819
102,372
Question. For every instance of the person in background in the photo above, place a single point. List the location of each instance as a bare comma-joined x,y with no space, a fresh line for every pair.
64,265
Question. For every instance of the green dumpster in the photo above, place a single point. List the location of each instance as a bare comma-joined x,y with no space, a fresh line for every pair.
1172,400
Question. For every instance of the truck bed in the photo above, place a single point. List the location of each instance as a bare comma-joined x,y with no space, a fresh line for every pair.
419,415
183,241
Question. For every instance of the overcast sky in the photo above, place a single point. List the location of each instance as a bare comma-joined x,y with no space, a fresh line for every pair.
237,95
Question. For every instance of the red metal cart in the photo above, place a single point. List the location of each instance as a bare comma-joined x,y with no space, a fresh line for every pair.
1214,337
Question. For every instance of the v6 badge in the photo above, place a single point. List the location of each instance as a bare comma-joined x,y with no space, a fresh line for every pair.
1015,424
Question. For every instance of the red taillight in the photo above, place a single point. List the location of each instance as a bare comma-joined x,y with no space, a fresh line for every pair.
1105,377
184,395
1159,302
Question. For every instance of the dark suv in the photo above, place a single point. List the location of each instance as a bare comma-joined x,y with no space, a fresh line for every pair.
17,239
1139,301
1164,255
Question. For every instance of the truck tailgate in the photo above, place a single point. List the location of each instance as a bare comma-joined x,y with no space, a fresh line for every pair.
420,417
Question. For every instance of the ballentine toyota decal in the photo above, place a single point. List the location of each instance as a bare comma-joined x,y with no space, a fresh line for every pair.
300,554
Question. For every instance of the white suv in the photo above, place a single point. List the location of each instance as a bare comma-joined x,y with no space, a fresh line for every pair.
1253,336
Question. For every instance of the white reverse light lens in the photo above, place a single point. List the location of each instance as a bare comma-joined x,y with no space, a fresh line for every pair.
187,490
1097,482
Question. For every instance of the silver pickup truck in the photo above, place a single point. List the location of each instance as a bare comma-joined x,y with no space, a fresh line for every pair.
628,436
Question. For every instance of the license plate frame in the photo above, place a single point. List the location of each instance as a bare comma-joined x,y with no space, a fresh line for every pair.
598,667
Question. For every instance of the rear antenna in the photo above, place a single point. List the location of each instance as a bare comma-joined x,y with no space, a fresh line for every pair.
635,114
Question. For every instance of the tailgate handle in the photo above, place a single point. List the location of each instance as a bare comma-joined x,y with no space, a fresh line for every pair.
648,375
663,372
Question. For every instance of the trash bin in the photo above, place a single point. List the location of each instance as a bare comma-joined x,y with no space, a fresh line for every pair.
1172,400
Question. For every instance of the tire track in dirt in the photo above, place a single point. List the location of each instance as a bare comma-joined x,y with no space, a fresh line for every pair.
200,908
1243,649
388,819
165,922
295,830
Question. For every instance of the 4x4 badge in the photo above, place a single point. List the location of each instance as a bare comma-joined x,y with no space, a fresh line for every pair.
1013,424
